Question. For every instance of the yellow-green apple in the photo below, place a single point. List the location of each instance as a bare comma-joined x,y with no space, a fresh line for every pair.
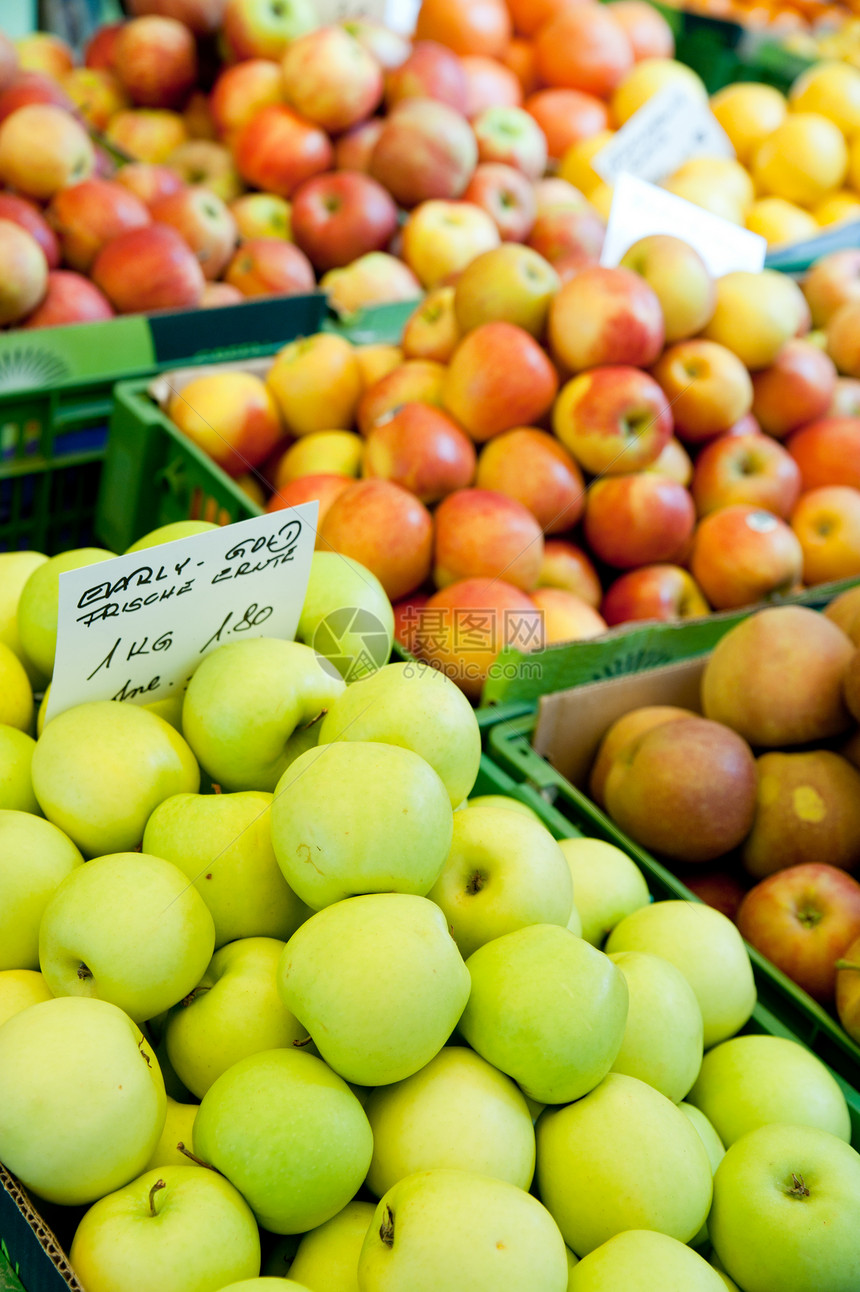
802,919
680,278
756,314
337,218
566,566
440,238
605,316
36,858
685,789
506,196
264,28
607,884
206,163
511,135
566,617
568,235
247,704
332,452
203,221
532,467
354,148
367,1036
42,51
74,1131
743,554
16,781
96,93
844,610
29,216
832,281
146,1226
431,332
748,469
375,278
708,386
29,88
707,948
331,79
753,1081
19,989
388,47
430,71
662,1043
638,519
621,733
223,844
277,150
511,1241
498,378
847,985
783,1196
151,268
38,605
262,215
241,91
634,1254
564,1006
421,449
484,534
16,705
425,150
797,388
415,381
337,582
70,298
662,592
417,708
270,267
511,284
827,522
327,1257
846,395
468,623
500,875
613,420
386,529
148,181
232,416
842,339
156,61
316,383
715,1150
168,533
828,452
147,134
807,653
23,272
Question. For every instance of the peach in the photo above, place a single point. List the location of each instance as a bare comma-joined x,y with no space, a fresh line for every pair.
605,316
415,381
613,419
842,342
531,466
680,279
241,91
421,449
430,71
512,284
270,267
661,592
482,534
425,150
621,733
797,388
566,566
744,554
708,386
277,150
321,488
498,378
432,331
231,416
844,610
43,149
638,519
147,134
316,383
149,269
827,523
70,298
746,469
385,528
776,678
828,452
156,61
442,238
566,617
832,281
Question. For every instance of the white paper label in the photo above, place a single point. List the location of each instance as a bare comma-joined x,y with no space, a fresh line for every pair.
136,627
639,209
668,130
399,15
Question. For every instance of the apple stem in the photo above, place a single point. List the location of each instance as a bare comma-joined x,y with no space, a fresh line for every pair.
386,1229
193,995
199,1160
798,1189
476,883
305,1040
159,1184
84,971
847,964
216,789
314,721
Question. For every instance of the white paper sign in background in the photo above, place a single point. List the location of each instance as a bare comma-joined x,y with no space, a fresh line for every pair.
136,627
668,130
639,209
399,15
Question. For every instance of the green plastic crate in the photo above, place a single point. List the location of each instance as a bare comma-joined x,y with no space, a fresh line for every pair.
563,807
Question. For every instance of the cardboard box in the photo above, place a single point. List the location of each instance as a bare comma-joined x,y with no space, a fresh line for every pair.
33,1247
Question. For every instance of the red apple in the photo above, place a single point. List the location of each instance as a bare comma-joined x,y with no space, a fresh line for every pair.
489,84
9,68
264,28
321,488
566,617
278,150
204,222
200,16
796,389
715,887
70,298
532,467
605,316
101,46
512,136
641,519
385,528
425,150
149,182
156,61
43,149
337,218
566,566
614,419
430,72
23,272
389,48
216,295
828,452
664,592
149,269
746,469
30,88
498,378
331,79
92,213
29,217
744,554
417,381
421,449
568,235
354,148
241,91
506,196
483,534
270,267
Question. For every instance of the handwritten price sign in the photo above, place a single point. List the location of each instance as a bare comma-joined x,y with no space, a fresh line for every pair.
136,627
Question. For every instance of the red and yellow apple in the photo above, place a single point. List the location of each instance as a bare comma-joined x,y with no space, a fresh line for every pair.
498,378
750,469
708,387
613,419
510,283
662,592
484,534
531,466
827,523
440,238
566,566
337,218
605,316
639,519
385,528
331,79
43,149
149,269
270,267
797,388
743,554
425,150
421,449
277,150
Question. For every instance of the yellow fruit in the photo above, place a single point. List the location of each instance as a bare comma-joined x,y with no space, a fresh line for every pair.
323,452
707,193
838,208
854,165
780,222
832,89
600,198
723,173
576,163
646,79
16,694
803,161
749,114
756,314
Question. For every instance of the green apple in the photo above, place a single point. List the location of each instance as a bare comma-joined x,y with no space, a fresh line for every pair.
458,1229
127,928
101,769
418,708
499,800
81,1099
572,1262
169,533
289,1134
16,780
457,1112
346,616
266,1285
16,693
360,817
15,570
786,1203
223,843
751,1081
547,1009
20,988
718,1269
38,605
504,871
641,1260
607,885
235,1010
175,1228
707,948
246,705
327,1259
170,709
378,982
35,858
663,1038
177,1129
622,1158
713,1147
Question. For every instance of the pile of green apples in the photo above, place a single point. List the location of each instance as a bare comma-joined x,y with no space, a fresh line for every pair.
276,994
